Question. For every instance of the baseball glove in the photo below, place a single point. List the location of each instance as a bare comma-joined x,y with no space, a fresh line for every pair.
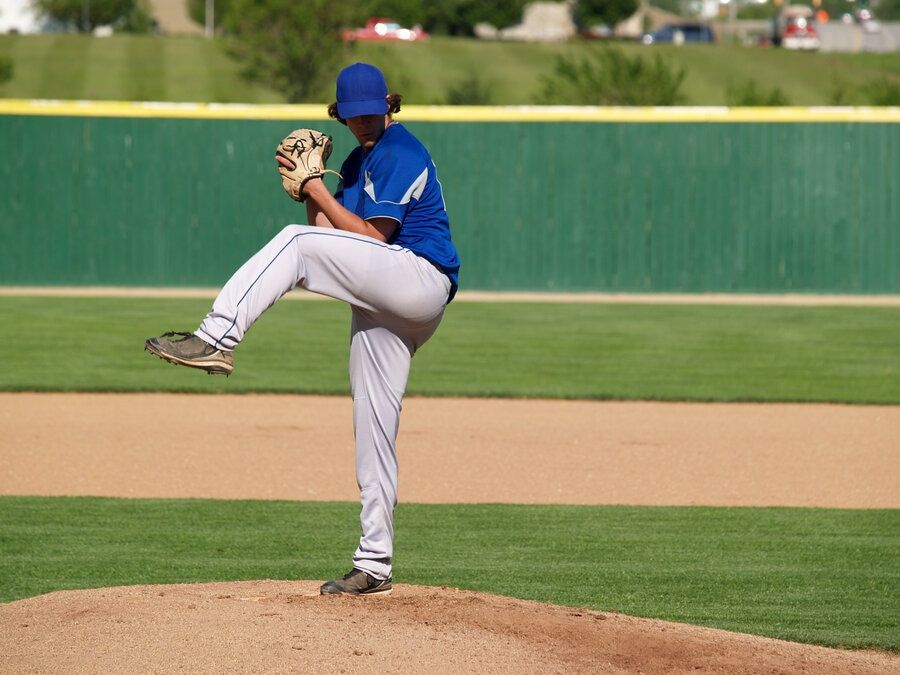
301,156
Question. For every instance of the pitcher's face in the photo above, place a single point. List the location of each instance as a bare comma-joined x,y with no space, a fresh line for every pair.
367,128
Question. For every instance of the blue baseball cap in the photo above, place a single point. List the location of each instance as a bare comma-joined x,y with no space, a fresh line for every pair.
361,90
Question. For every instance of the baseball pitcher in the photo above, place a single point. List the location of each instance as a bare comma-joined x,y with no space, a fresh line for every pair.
381,244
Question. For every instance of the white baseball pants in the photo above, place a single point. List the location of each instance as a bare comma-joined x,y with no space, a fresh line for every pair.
397,301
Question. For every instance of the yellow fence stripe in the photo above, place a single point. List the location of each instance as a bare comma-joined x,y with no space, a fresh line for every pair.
415,113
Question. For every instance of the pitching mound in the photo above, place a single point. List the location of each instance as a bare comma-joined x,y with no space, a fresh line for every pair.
279,626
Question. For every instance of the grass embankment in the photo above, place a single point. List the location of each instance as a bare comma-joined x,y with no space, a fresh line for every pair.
152,68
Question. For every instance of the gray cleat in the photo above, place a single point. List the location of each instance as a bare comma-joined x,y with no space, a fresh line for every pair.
191,351
356,582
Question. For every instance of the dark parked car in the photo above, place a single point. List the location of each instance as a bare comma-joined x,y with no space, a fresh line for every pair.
679,33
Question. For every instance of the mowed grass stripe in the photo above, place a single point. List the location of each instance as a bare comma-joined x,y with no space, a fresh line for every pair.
147,71
25,62
813,575
706,74
62,66
127,67
199,71
589,351
109,72
202,70
180,83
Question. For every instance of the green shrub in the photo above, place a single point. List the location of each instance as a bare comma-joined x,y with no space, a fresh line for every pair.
882,92
749,93
470,90
611,77
839,94
6,69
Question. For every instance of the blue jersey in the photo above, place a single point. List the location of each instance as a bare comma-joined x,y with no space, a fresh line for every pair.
397,179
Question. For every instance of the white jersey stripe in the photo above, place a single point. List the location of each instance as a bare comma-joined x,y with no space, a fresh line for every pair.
413,192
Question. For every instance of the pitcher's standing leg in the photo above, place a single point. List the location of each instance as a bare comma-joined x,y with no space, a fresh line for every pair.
379,368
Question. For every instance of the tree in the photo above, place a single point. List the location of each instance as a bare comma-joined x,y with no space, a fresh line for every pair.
293,45
610,77
610,12
888,10
458,17
129,15
197,10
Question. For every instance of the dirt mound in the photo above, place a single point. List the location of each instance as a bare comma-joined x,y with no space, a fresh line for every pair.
280,626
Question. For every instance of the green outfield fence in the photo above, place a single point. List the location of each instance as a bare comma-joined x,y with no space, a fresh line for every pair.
778,200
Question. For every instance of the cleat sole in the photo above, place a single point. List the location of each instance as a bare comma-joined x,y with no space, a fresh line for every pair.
211,367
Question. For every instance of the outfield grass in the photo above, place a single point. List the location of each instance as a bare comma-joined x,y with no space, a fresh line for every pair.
590,351
820,576
127,67
813,575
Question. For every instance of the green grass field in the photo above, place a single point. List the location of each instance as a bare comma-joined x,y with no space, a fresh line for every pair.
822,576
195,69
814,575
593,351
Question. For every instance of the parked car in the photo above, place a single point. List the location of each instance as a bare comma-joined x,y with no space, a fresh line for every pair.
794,28
379,28
679,33
599,31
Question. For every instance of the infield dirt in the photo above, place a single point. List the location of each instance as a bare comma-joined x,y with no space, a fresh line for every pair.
451,450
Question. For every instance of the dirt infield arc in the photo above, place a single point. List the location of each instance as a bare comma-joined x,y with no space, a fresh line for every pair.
454,450
451,450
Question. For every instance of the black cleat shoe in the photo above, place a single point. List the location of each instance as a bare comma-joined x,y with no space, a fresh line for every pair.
356,582
191,351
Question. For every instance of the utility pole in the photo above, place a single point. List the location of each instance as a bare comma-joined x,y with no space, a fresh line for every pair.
210,18
732,20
